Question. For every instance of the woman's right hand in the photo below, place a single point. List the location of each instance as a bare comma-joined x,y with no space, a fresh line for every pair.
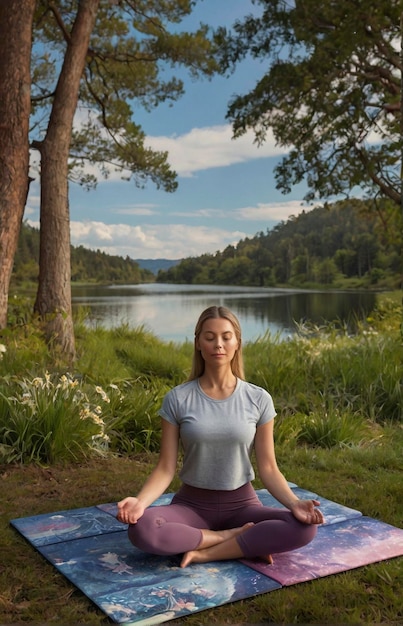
129,510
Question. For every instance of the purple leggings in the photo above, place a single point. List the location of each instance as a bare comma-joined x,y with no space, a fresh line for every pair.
176,528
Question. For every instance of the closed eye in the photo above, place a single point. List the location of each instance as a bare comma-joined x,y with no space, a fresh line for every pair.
226,337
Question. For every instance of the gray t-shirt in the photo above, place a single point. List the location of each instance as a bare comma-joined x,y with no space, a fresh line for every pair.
217,435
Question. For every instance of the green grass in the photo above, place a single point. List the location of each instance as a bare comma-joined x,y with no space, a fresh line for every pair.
339,432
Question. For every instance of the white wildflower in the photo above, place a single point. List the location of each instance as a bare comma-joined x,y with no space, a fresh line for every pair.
100,443
64,382
96,419
38,382
116,389
85,413
26,399
47,382
102,393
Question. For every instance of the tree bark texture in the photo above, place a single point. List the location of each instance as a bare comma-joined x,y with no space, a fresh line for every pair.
53,301
16,17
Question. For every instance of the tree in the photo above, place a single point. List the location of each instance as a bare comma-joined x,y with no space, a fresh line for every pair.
331,93
108,54
16,18
53,300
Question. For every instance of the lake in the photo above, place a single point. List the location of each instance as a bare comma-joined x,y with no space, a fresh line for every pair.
171,311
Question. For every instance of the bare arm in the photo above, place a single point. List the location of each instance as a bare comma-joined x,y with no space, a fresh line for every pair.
274,481
132,508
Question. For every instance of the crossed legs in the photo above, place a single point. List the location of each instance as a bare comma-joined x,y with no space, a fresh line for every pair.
250,531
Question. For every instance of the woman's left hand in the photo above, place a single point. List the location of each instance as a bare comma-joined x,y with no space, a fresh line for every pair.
306,511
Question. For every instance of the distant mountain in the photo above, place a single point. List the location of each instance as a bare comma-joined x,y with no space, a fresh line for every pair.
154,265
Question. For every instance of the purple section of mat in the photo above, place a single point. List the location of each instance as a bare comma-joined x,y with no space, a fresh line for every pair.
336,548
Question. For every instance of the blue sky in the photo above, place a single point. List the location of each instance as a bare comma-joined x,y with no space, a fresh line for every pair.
226,187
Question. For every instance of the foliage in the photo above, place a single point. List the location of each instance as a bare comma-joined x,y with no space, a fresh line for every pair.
334,69
45,421
132,421
133,366
330,429
325,246
131,353
24,339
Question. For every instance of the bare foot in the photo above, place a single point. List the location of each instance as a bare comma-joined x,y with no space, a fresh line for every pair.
204,555
232,532
267,559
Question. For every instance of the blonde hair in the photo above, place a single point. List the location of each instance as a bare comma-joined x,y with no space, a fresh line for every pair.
216,312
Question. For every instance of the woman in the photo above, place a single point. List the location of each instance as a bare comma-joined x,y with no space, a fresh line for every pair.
219,418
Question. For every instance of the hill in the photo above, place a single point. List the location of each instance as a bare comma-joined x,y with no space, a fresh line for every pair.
352,243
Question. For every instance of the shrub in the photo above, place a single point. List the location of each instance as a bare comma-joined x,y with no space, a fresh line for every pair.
333,429
45,420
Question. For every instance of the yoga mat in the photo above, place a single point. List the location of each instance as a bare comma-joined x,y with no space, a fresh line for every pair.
91,549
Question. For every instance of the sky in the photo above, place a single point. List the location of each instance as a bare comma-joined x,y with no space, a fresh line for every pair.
226,187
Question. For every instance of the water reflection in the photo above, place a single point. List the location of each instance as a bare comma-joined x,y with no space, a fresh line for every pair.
171,311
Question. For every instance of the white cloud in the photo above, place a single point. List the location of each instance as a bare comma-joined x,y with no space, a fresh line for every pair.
271,212
205,148
203,214
152,241
276,211
199,149
138,209
95,234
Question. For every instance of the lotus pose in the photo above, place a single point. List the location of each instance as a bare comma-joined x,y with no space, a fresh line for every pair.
219,419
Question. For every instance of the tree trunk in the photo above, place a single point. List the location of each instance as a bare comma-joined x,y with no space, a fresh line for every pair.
53,300
16,17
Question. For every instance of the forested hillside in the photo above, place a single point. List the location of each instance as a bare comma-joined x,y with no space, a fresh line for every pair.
86,265
349,243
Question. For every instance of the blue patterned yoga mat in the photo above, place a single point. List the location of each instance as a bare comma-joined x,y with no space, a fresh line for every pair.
90,548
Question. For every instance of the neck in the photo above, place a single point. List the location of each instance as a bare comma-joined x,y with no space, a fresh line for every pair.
220,380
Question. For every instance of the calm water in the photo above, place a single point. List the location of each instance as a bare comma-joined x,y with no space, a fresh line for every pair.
171,311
